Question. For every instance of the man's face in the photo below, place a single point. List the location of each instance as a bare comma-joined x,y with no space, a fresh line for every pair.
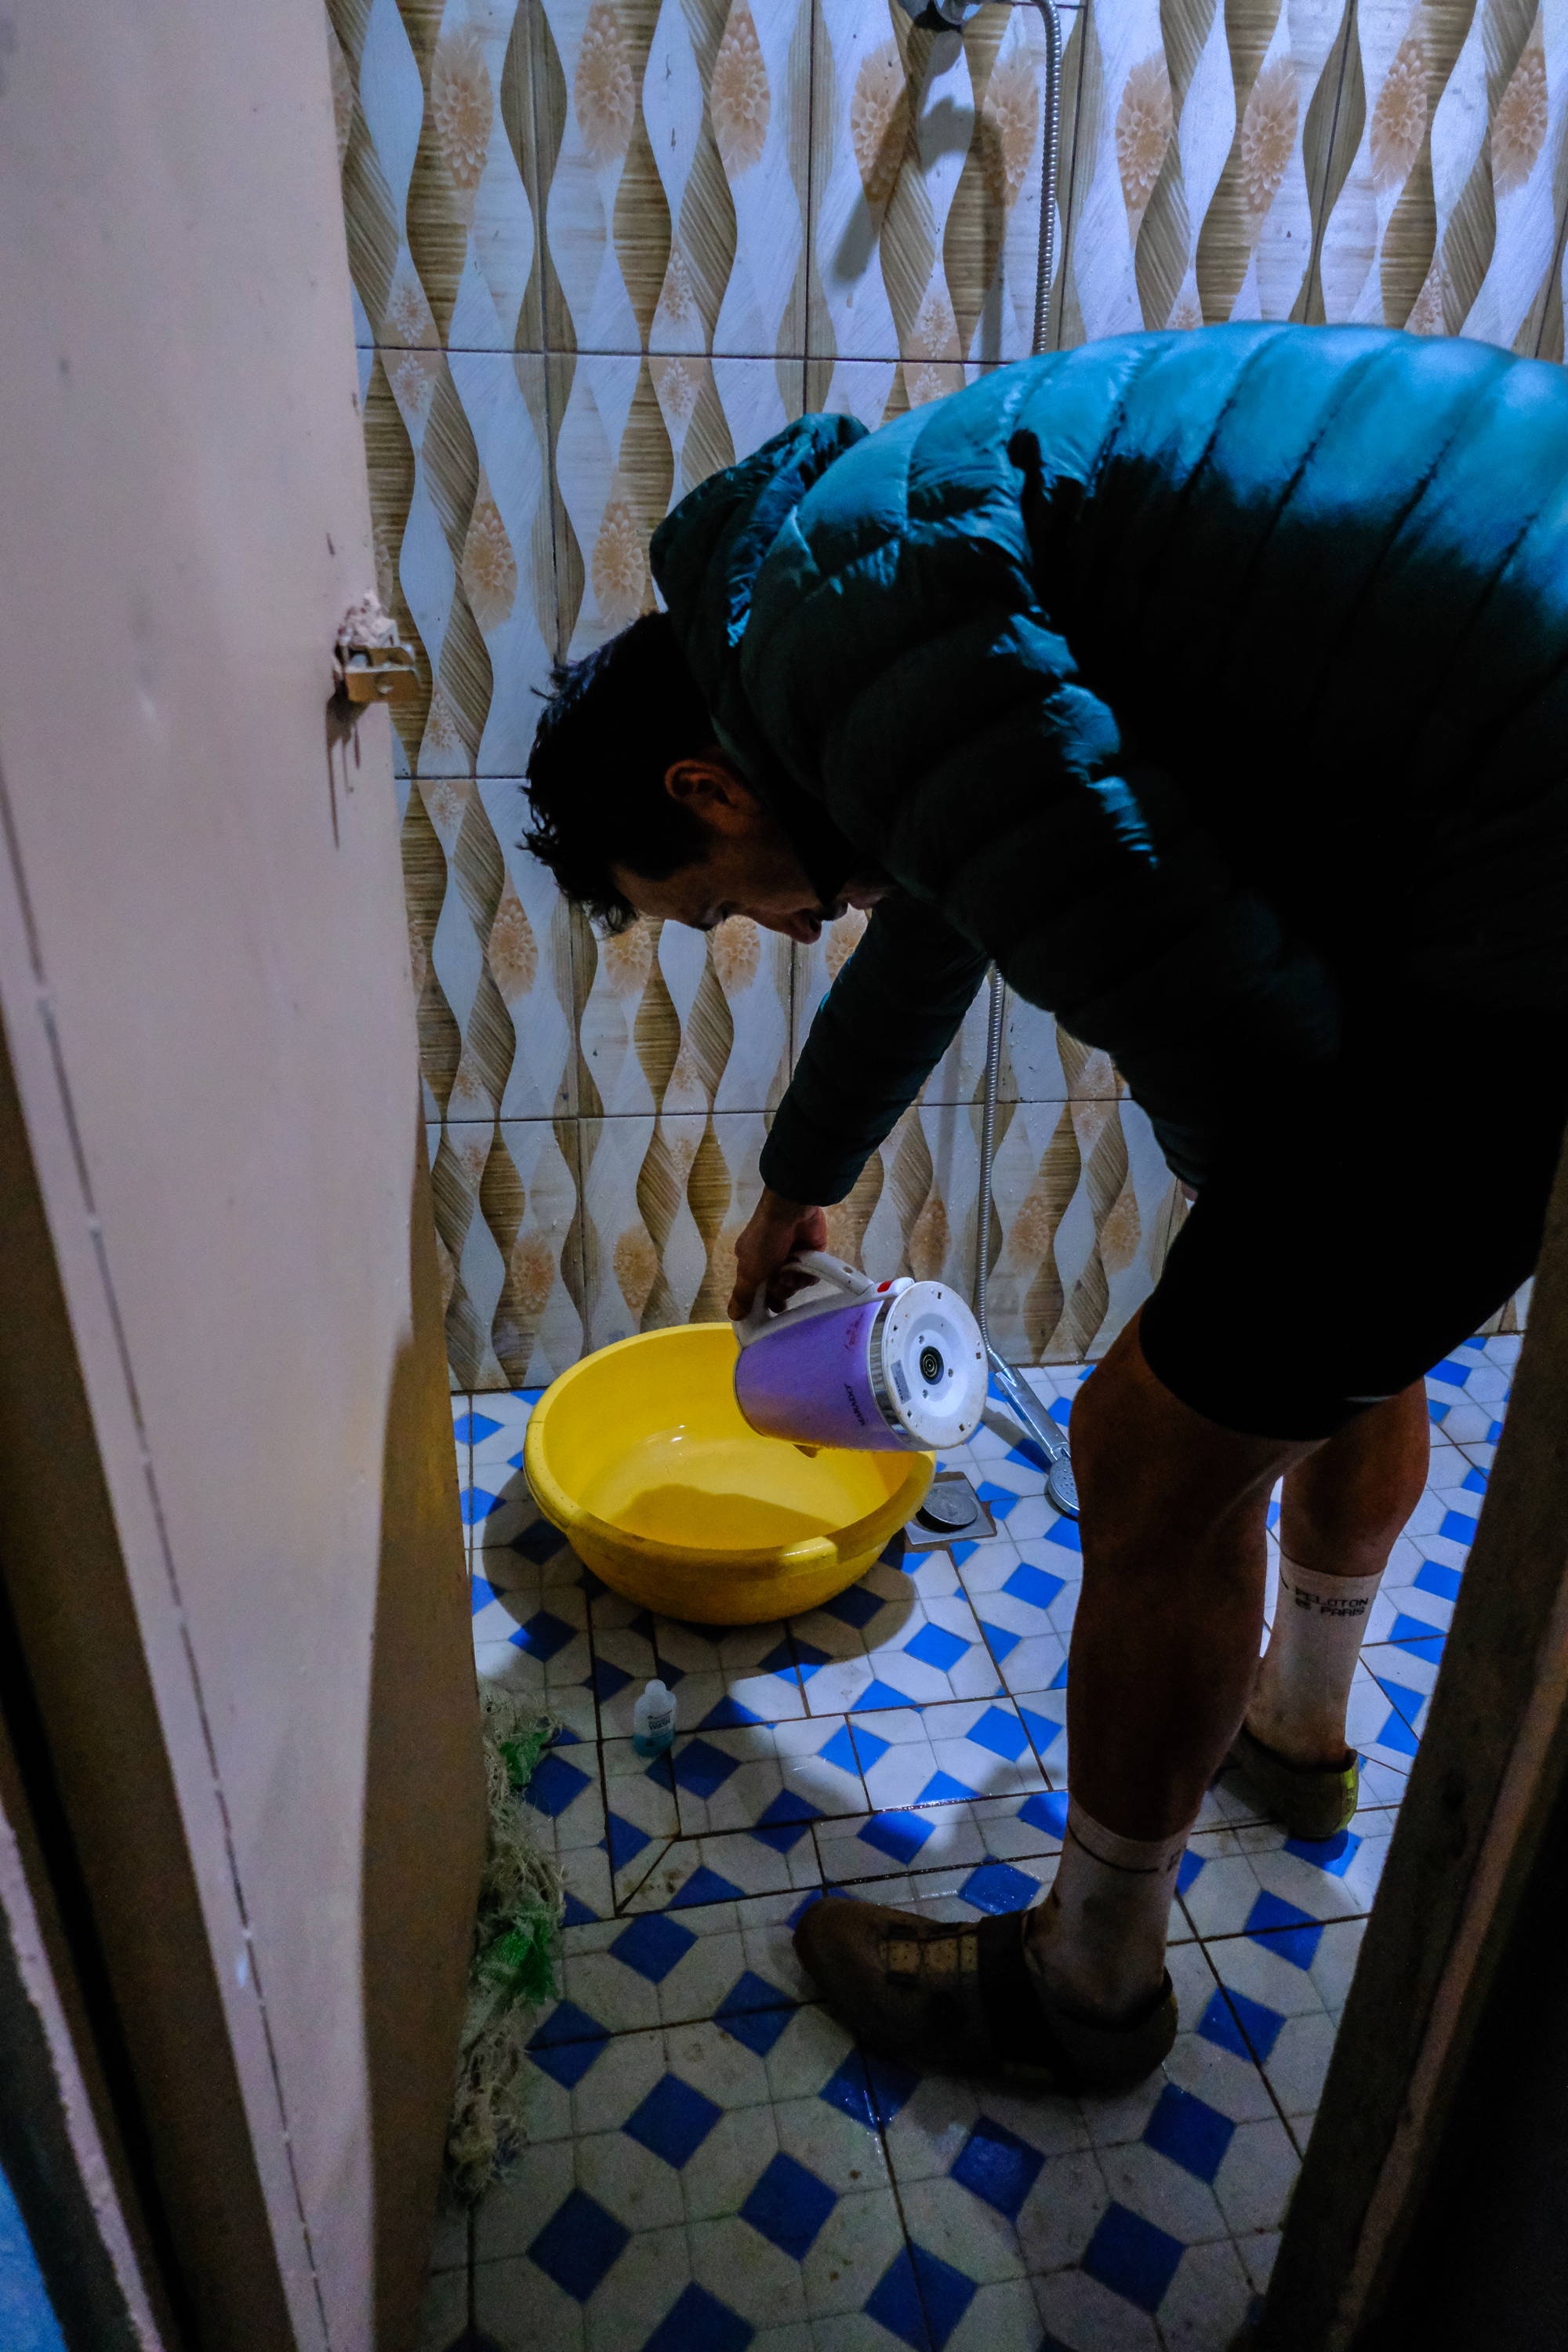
748,866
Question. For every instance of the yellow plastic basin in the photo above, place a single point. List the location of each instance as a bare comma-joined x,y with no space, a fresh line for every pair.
640,1456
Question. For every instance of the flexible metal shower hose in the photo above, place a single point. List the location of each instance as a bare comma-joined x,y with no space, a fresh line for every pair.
1044,272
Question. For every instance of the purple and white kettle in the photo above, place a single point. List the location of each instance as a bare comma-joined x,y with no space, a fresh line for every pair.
880,1367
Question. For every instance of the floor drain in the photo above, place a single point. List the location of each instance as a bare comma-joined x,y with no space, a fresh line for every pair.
952,1509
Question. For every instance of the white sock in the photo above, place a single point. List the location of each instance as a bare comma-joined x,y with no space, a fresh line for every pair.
1100,1944
1304,1681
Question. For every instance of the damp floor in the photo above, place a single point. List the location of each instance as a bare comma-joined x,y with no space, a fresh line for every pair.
713,2165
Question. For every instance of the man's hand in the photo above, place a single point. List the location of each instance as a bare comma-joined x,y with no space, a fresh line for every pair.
778,1228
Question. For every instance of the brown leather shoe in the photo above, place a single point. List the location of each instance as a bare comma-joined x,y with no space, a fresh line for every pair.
962,1999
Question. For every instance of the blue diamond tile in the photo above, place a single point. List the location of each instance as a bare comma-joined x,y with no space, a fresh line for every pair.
698,2322
542,1634
841,1749
609,1681
783,1822
1059,1680
1064,1532
576,1914
869,2089
1047,1811
1452,1375
1035,1585
856,1607
755,2029
788,2206
1043,1729
1333,1854
703,1769
623,1841
1294,1935
997,1886
934,1646
653,1944
881,1694
945,2293
1001,1638
1409,1702
1397,1735
726,1715
899,1835
1433,1577
1028,1456
997,2165
539,1541
1002,1733
481,1594
473,1428
476,1504
1190,2132
1474,1482
808,1658
959,1552
895,2303
1131,2257
1187,1869
568,2043
553,1784
1457,1528
780,1660
673,2121
1000,1499
705,1886
1235,2023
750,1994
578,2244
1415,1635
941,1788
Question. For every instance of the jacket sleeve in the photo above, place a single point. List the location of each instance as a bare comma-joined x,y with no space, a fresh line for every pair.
880,1030
971,758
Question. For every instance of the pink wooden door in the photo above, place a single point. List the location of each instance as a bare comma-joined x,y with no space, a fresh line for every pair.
231,1529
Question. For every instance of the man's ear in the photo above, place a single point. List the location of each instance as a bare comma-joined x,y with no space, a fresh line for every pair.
711,790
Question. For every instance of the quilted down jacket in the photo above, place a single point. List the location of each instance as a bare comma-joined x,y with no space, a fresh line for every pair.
1205,681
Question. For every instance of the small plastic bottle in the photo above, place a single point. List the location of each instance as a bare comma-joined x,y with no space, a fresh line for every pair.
653,1720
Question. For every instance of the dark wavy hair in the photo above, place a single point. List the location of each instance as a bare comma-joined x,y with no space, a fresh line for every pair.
613,725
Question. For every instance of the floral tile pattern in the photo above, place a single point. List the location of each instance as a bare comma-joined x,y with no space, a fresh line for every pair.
710,2157
600,249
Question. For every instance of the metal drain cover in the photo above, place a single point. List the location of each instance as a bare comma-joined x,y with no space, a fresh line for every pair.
952,1509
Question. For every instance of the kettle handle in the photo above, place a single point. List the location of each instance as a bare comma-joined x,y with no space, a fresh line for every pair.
823,1268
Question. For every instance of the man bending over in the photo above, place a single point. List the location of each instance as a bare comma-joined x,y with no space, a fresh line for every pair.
1215,686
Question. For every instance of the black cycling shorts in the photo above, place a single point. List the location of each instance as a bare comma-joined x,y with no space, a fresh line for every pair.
1365,1224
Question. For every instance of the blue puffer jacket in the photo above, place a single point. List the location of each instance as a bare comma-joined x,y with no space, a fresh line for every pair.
1205,681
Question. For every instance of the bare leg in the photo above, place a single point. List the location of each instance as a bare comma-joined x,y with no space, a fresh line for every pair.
1165,1645
1344,1508
1342,1512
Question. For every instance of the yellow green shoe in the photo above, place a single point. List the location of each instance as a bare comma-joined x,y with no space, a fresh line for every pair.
1313,1800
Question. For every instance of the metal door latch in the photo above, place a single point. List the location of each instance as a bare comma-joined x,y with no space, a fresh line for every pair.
372,664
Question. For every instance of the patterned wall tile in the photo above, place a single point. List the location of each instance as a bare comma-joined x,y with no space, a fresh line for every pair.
1084,1209
508,1241
1451,149
635,434
677,1021
673,144
1039,1062
926,157
1200,162
664,1200
457,449
436,138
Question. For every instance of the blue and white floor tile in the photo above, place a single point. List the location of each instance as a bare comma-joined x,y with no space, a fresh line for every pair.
713,2166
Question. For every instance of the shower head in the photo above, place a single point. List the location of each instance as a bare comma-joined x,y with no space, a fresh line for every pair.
941,16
